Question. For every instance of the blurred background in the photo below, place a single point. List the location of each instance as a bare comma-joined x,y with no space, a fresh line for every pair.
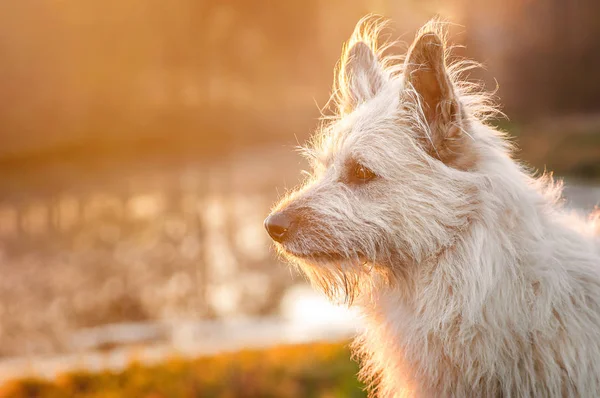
142,143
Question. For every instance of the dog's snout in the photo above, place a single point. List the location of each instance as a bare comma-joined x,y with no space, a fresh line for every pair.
278,226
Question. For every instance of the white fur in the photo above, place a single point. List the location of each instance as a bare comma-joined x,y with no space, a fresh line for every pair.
473,282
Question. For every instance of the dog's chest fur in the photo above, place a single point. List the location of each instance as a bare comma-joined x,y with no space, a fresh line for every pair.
511,333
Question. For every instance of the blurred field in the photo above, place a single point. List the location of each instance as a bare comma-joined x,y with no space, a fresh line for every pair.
302,371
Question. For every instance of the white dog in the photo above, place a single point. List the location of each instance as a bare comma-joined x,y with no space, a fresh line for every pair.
472,279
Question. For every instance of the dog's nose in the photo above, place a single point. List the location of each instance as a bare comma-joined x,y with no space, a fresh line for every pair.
278,226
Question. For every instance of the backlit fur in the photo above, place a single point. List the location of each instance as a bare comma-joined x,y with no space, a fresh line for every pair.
472,279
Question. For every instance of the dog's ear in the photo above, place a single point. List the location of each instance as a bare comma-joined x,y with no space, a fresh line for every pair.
360,76
425,72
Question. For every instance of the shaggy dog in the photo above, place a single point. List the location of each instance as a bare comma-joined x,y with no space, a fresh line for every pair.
472,280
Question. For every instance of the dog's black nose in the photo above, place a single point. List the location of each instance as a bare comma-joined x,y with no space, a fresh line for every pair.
278,226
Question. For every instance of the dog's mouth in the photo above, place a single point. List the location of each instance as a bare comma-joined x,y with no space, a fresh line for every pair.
318,256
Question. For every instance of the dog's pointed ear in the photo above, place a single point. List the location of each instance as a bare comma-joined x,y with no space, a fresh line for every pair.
360,77
425,71
426,75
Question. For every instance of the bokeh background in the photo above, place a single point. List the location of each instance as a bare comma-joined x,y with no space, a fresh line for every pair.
142,143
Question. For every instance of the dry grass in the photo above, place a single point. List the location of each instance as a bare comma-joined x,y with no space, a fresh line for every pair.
314,370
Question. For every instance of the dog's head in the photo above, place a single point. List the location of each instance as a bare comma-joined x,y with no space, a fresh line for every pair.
391,180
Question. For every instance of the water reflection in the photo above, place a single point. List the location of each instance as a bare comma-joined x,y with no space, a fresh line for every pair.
169,243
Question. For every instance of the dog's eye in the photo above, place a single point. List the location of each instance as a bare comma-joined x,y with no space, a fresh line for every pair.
362,174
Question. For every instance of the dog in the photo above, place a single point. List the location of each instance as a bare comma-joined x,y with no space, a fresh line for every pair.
471,279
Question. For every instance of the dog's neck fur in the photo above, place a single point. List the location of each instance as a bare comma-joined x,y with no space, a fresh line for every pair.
481,296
